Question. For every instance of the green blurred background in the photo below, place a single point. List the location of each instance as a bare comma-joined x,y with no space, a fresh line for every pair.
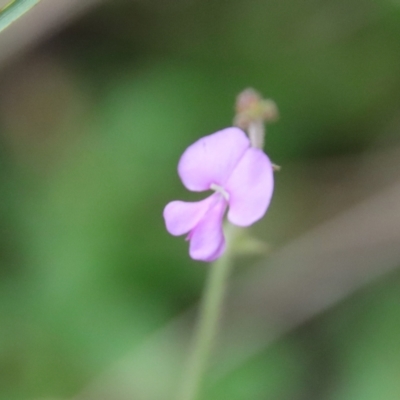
93,120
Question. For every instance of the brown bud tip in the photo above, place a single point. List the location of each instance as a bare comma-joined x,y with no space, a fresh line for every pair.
248,99
250,106
276,167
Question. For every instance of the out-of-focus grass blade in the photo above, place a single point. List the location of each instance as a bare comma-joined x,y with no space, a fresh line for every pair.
15,10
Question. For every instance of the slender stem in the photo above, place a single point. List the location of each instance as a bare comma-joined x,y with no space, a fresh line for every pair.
256,132
208,321
14,10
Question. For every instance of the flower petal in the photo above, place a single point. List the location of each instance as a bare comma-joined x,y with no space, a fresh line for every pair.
181,216
212,159
250,188
207,240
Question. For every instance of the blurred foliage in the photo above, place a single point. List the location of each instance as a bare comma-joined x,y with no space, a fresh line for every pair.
92,124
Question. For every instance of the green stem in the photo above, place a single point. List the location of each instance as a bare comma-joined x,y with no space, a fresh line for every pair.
14,10
208,321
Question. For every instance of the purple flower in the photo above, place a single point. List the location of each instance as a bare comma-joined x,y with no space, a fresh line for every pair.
241,177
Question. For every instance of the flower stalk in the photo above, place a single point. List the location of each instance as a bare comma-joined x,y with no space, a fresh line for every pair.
207,325
256,132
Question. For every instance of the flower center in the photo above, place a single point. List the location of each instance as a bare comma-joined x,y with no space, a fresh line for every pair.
220,190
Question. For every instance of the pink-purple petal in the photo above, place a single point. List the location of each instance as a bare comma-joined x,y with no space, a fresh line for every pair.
181,216
207,240
212,159
250,188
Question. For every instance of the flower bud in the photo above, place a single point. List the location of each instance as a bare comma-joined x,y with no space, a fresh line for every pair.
250,107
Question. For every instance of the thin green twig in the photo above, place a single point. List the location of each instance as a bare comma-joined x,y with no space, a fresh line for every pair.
210,311
14,10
